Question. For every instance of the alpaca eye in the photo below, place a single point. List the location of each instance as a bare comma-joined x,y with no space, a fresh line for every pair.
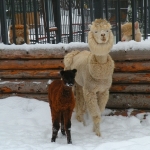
95,31
107,31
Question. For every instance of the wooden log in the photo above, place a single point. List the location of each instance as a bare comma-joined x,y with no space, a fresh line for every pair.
125,100
41,97
39,51
116,101
24,86
132,55
36,74
130,88
143,66
31,64
131,78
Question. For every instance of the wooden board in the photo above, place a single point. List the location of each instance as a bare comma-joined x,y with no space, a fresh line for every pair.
131,78
36,74
140,66
125,100
130,88
31,64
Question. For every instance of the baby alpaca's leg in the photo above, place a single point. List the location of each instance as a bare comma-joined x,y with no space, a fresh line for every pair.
91,102
56,126
80,103
62,125
67,123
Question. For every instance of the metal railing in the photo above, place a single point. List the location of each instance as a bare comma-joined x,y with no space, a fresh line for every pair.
54,21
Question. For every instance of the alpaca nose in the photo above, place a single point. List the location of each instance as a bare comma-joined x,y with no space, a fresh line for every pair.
103,35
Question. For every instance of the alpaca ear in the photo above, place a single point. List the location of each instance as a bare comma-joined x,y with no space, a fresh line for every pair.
10,27
136,25
74,70
61,72
27,26
89,26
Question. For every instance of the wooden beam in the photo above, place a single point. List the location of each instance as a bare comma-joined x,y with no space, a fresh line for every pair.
130,88
31,64
30,74
141,66
126,100
131,78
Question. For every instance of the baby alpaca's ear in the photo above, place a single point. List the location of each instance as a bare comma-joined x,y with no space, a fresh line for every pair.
74,70
61,72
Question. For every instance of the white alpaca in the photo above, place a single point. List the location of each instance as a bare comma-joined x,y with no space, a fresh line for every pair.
94,75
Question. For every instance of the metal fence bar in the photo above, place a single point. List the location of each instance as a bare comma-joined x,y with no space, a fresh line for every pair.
82,27
47,21
25,22
70,23
133,18
35,20
13,20
106,9
91,10
145,19
58,22
98,5
119,21
3,23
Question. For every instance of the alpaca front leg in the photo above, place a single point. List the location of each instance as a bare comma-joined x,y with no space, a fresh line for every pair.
80,104
56,126
91,102
102,100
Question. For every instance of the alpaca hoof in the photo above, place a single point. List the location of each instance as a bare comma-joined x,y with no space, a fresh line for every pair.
69,142
52,140
79,118
98,133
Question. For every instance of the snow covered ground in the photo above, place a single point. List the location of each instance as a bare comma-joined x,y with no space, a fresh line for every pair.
25,124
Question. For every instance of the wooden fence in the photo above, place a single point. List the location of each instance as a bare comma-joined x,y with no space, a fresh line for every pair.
26,73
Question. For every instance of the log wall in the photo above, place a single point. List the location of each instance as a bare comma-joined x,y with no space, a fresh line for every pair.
26,73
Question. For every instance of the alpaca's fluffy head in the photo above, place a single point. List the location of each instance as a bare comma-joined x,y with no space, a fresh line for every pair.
100,29
100,37
126,32
19,34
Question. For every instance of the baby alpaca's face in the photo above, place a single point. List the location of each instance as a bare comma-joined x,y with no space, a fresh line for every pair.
68,76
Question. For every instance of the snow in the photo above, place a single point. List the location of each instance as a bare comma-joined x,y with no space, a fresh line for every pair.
126,46
25,124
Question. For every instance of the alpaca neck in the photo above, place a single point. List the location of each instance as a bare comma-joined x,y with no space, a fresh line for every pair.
101,59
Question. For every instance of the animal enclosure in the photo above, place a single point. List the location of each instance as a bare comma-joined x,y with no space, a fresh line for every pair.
26,73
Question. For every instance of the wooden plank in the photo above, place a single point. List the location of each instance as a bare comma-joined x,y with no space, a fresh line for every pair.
143,66
132,55
36,74
40,51
31,64
124,101
130,88
41,97
116,101
131,78
24,86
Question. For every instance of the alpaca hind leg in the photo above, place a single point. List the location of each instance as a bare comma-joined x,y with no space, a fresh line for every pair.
102,100
56,126
91,102
62,125
67,123
80,104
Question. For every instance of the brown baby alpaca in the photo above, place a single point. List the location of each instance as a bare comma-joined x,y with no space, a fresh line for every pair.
62,103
